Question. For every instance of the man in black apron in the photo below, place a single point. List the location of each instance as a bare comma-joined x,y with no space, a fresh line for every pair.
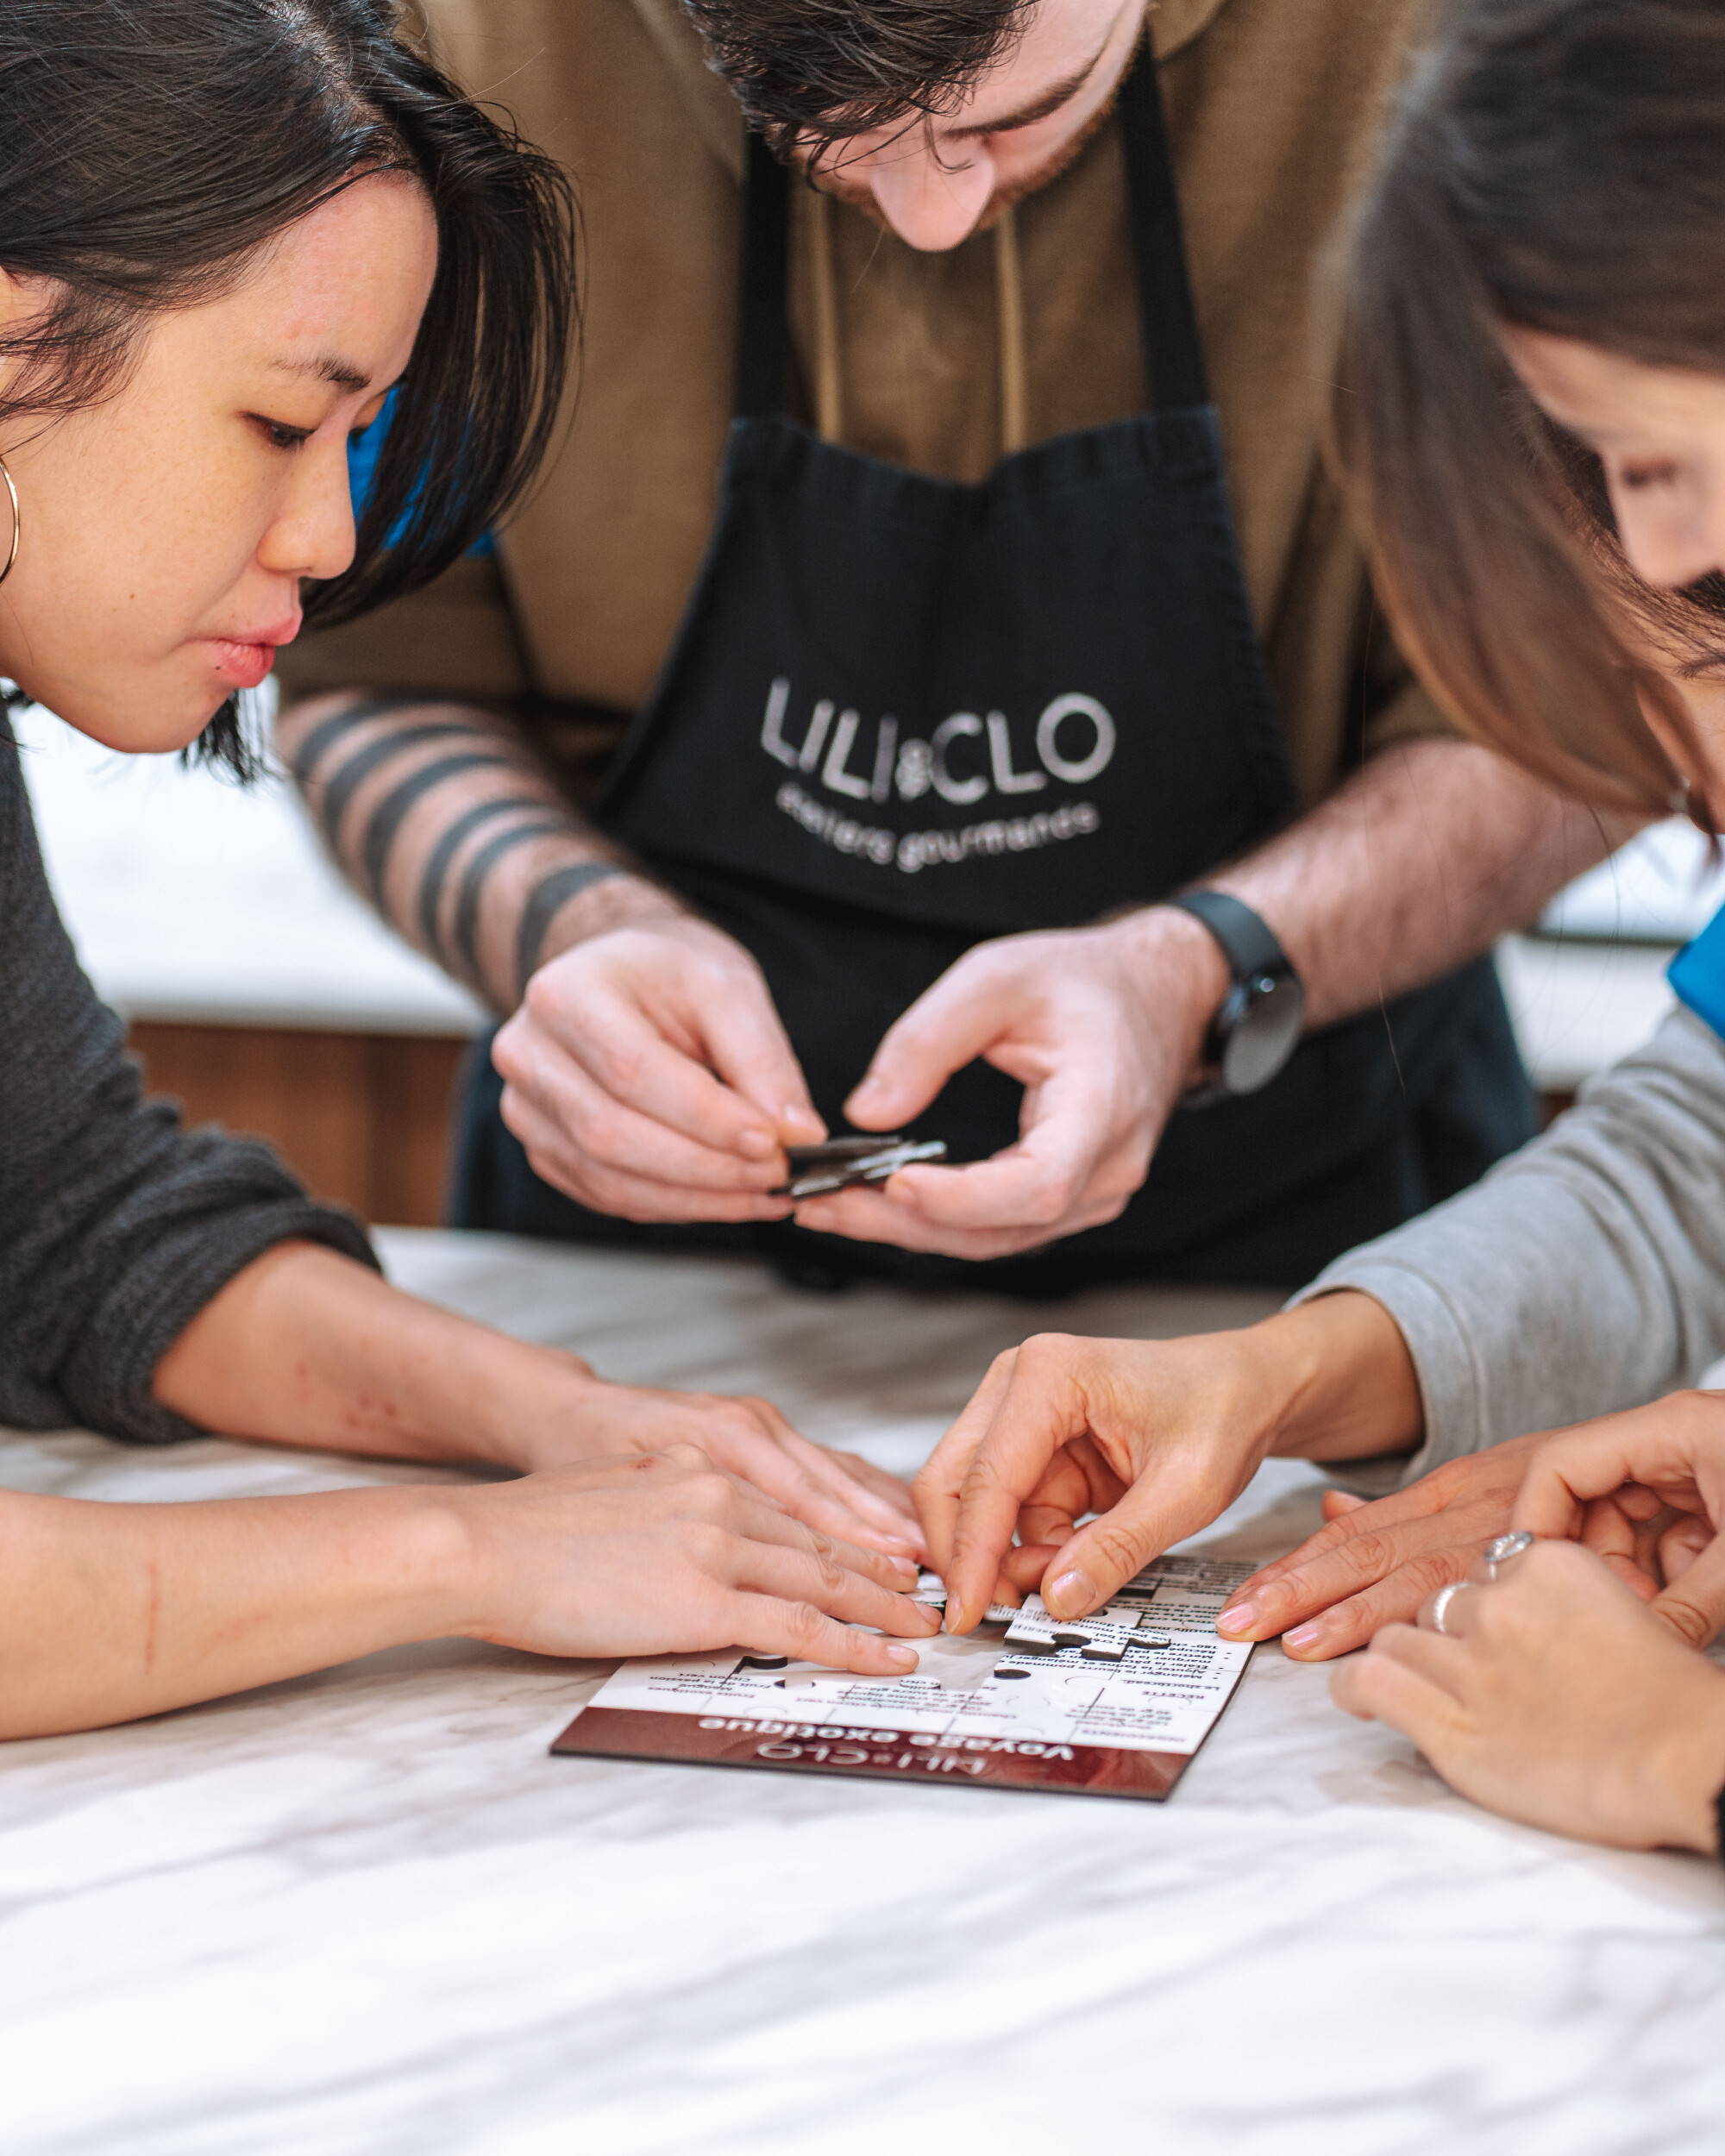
905,717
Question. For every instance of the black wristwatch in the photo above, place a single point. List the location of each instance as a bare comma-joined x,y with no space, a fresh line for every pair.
1258,1027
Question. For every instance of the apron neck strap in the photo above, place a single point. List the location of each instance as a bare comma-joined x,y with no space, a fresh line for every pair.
1168,321
764,341
1174,354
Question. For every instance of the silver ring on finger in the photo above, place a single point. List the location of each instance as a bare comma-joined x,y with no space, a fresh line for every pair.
1499,1550
1431,1617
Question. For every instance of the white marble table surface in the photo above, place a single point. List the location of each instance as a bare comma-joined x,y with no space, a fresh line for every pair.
365,1912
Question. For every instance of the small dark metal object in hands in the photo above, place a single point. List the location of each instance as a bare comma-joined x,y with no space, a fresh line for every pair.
841,1162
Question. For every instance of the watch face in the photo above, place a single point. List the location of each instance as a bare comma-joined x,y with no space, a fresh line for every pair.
1266,1034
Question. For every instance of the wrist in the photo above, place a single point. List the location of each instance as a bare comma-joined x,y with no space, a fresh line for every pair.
532,1407
447,1559
1161,948
1340,1379
628,899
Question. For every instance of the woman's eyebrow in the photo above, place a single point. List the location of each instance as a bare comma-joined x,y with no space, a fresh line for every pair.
342,373
1050,102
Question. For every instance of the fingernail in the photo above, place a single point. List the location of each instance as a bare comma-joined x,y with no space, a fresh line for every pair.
902,1657
1303,1635
1071,1593
1241,1618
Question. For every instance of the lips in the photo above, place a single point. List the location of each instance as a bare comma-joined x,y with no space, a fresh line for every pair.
244,665
246,660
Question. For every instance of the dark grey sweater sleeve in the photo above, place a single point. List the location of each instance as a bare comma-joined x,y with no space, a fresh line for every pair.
116,1227
1584,1273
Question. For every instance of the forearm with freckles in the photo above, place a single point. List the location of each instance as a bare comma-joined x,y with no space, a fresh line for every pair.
1419,862
305,1348
445,820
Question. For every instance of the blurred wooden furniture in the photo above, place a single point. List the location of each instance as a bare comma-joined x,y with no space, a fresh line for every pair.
363,1119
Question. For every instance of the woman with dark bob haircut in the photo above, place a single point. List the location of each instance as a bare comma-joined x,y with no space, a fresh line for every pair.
1535,416
228,229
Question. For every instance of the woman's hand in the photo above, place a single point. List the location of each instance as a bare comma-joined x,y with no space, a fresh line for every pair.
1644,1489
835,1493
1155,1436
1373,1564
109,1611
665,1553
304,1347
1554,1696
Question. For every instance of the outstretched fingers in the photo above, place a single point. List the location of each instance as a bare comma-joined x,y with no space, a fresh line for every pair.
806,1603
827,1490
1342,1599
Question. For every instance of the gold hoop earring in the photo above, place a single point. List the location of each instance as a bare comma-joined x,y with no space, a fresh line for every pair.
17,522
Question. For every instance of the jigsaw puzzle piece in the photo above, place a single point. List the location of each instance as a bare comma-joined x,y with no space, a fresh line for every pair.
1101,1637
930,1592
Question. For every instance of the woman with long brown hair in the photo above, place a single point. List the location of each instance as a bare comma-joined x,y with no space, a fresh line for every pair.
1535,415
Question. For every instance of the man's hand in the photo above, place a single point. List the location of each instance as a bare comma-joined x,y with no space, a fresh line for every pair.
647,1075
1101,1026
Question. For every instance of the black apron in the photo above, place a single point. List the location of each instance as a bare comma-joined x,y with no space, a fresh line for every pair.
902,715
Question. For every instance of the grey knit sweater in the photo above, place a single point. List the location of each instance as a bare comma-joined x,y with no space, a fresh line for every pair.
1586,1272
116,1227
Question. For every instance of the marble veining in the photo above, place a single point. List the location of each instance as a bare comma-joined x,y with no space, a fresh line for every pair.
365,1912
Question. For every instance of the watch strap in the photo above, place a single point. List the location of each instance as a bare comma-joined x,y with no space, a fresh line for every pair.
1248,942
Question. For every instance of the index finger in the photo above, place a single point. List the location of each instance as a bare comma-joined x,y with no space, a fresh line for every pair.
1043,1405
752,1052
942,1474
1680,1441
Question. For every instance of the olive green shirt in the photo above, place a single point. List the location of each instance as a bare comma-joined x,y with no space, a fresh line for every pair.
1274,108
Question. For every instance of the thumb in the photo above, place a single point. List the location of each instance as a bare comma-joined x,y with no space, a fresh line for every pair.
1338,1503
1694,1605
1104,1555
947,1026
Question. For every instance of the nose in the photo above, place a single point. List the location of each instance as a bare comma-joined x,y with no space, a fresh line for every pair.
932,200
313,534
1668,544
